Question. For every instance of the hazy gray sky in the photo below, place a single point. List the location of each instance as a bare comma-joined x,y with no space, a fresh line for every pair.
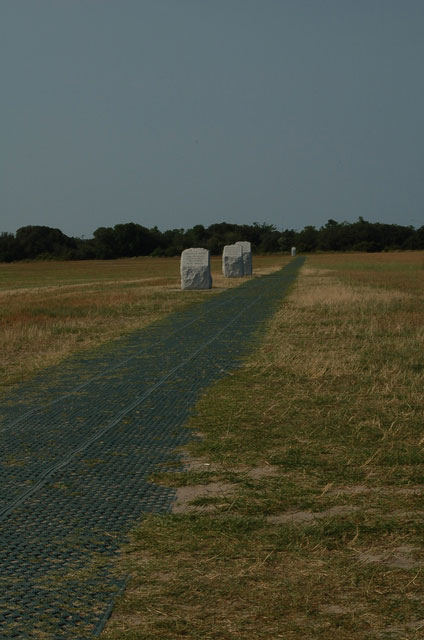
183,112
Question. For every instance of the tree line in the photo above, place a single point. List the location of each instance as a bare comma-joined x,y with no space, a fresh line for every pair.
131,239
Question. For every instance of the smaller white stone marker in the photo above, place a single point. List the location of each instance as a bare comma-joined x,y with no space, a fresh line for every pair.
293,251
247,256
232,261
195,267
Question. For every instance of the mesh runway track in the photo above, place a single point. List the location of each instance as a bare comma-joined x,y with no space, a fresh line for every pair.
79,443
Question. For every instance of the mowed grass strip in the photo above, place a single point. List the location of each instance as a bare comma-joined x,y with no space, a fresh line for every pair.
50,310
301,513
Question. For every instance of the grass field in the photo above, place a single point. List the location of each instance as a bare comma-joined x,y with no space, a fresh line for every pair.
49,310
301,516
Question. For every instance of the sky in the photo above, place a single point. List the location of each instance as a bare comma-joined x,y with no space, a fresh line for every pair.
173,113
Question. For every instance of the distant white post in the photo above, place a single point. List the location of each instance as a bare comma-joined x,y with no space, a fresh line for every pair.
195,267
293,251
232,261
247,256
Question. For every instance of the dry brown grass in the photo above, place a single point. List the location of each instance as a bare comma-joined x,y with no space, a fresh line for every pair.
344,308
403,271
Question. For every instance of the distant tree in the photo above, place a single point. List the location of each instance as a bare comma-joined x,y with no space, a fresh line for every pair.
269,239
132,239
10,249
415,240
197,236
174,242
85,250
307,240
365,234
367,245
157,238
287,239
36,241
104,243
333,236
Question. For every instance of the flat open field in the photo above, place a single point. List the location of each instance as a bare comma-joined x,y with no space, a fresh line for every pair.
301,515
49,310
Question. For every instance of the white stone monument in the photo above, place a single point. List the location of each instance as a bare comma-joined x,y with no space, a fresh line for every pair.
247,256
293,251
232,261
195,267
